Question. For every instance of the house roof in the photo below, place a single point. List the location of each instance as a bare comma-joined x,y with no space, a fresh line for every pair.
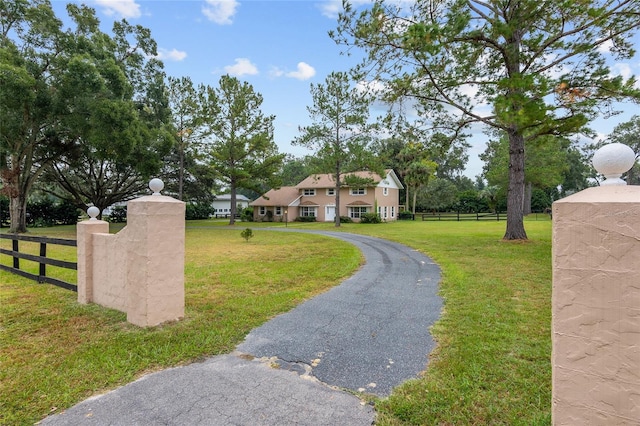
227,197
328,181
322,181
359,203
284,196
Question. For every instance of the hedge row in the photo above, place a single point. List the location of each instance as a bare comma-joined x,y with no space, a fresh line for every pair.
44,212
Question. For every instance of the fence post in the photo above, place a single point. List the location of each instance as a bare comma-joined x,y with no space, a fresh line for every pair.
595,299
43,266
16,260
85,231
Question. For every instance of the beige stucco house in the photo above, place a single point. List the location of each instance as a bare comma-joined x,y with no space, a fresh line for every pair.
315,196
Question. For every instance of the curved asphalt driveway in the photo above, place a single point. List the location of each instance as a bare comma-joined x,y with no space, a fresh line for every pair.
368,334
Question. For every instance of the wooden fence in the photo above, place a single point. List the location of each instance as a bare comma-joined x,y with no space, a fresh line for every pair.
42,259
457,216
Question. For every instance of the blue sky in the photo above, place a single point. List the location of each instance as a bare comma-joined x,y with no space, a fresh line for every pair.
278,46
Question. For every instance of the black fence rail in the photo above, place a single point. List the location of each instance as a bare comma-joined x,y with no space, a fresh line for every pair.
42,259
457,216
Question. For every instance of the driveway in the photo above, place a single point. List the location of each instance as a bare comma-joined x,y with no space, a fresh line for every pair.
369,334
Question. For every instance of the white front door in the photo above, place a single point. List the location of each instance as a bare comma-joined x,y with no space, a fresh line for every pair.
329,213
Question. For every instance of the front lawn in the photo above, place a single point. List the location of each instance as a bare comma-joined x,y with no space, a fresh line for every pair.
55,352
491,365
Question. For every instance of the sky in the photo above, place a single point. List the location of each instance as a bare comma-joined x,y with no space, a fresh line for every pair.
279,47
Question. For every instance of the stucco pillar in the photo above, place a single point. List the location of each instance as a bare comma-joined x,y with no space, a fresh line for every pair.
155,260
84,233
596,307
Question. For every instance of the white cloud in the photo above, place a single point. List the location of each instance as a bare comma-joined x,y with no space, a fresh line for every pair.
331,8
605,47
220,11
243,66
304,72
622,69
123,8
375,86
276,72
171,55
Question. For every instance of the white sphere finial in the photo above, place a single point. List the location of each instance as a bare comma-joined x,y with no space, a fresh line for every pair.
156,186
93,212
612,161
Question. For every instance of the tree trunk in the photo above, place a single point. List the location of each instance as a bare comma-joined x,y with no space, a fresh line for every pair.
406,197
528,193
181,171
234,208
413,207
18,214
337,221
515,196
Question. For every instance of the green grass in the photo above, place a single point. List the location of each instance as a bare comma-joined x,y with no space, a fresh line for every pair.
491,364
55,352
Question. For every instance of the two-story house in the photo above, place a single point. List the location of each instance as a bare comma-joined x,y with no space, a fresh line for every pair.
315,196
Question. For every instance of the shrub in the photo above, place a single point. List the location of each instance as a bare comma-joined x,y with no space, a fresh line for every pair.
46,212
405,215
305,219
345,219
370,218
66,213
4,210
118,214
39,213
198,211
246,215
246,234
470,202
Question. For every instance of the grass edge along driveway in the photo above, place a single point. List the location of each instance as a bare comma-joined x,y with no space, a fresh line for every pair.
491,365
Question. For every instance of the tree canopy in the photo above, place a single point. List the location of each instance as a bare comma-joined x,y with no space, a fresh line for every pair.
86,107
528,68
628,133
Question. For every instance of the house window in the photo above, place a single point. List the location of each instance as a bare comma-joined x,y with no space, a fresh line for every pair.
263,210
331,191
308,211
393,211
357,212
385,212
385,191
309,192
358,191
278,211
